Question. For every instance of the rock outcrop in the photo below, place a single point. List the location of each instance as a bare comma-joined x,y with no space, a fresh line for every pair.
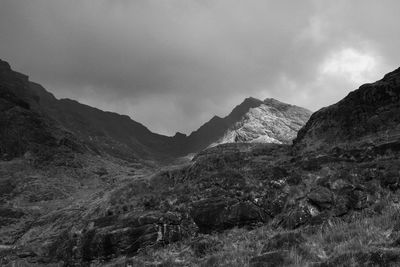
112,236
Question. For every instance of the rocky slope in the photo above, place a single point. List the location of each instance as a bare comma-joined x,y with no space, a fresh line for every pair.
269,122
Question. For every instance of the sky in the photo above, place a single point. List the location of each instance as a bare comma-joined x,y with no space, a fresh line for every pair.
173,64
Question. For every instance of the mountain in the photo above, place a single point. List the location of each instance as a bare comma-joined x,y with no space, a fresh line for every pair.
367,118
215,128
251,121
108,132
270,121
120,136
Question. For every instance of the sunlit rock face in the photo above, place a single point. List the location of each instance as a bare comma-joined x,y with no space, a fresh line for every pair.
270,122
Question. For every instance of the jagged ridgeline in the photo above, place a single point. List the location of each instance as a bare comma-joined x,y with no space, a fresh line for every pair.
249,197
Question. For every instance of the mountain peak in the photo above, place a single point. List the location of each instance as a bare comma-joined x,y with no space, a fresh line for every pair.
251,101
244,107
268,121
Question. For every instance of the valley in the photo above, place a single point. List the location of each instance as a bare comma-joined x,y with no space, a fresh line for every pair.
84,187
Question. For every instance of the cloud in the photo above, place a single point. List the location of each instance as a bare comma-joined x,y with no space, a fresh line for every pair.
174,64
351,64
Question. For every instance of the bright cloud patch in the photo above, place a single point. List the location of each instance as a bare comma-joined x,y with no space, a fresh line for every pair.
355,65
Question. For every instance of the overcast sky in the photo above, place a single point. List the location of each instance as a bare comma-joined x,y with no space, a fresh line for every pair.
173,64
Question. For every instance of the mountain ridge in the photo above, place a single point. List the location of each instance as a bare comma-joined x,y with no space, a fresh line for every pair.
119,135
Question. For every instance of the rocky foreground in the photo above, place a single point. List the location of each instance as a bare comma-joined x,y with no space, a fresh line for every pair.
331,199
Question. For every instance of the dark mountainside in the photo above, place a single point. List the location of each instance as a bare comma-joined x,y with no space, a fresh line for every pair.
367,117
22,127
330,199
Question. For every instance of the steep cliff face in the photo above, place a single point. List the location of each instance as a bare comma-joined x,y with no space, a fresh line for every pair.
270,122
367,117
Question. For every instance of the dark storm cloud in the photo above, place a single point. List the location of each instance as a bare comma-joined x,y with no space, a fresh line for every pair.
173,64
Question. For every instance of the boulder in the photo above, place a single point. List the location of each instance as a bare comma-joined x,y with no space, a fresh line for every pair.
322,197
